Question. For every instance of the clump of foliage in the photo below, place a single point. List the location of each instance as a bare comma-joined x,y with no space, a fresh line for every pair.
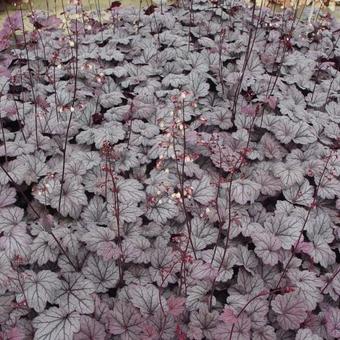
170,173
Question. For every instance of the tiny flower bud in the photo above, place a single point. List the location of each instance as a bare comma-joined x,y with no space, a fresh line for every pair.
183,95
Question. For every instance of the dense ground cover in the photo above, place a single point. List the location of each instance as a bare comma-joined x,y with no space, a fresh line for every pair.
170,174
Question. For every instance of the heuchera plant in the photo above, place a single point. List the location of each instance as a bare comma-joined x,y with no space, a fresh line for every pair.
169,173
